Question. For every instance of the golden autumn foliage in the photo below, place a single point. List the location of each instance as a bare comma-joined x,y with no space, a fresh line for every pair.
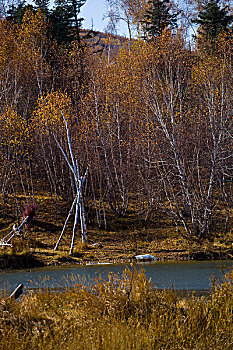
15,131
7,44
24,68
153,121
48,113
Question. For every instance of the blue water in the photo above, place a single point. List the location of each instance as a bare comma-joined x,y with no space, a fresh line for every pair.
193,275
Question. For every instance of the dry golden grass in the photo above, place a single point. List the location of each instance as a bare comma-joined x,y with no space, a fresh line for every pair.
124,313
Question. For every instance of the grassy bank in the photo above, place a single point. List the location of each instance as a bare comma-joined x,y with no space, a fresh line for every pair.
119,314
120,241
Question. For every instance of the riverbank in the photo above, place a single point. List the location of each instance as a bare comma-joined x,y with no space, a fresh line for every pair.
121,240
122,313
114,247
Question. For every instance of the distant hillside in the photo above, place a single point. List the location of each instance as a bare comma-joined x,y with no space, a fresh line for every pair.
103,42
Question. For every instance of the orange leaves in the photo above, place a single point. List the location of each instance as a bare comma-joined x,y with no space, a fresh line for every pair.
32,32
24,67
34,45
8,61
48,116
15,127
14,131
7,44
212,76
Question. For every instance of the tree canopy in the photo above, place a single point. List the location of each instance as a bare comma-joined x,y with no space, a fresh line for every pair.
158,17
213,19
153,121
63,17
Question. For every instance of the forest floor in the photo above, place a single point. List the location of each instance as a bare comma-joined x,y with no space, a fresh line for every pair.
123,239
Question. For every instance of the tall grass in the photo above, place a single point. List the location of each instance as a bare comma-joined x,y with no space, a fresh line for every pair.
121,313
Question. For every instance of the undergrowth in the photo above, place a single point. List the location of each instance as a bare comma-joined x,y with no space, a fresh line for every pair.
120,241
121,313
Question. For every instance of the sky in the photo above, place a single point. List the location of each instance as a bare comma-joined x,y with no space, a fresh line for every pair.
93,12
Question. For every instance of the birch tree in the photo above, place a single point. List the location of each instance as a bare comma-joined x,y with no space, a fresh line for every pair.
78,202
190,134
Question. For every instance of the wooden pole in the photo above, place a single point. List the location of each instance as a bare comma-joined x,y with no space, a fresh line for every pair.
74,228
74,167
64,227
82,219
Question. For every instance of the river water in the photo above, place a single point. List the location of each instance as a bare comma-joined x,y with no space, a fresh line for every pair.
192,275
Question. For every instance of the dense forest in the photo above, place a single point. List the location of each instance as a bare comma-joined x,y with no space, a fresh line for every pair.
149,116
